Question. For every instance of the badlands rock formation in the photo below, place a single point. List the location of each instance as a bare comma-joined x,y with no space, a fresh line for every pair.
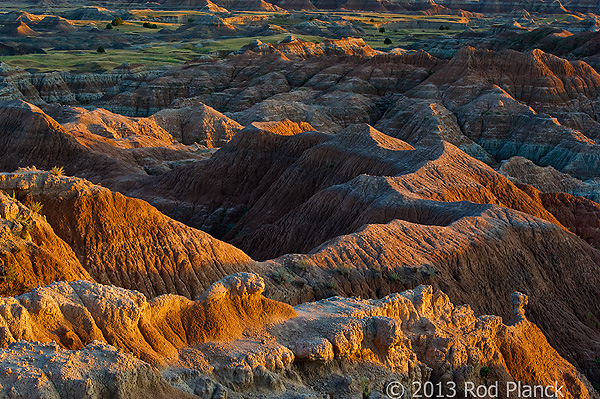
356,178
478,101
232,339
264,197
31,137
191,122
31,253
547,179
121,240
579,215
341,168
103,146
394,216
97,371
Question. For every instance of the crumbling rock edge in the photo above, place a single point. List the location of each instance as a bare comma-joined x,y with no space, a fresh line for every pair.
232,341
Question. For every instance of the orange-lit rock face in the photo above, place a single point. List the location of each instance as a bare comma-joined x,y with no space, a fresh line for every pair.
233,331
344,168
556,80
31,253
107,230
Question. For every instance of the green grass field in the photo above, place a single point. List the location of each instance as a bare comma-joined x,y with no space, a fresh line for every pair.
156,53
86,61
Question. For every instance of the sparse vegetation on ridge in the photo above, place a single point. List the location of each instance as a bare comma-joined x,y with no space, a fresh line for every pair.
57,171
282,276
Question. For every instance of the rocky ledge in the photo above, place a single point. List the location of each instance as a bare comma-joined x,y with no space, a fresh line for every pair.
233,341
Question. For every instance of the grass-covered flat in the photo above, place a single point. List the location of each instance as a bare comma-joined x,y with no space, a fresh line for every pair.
162,37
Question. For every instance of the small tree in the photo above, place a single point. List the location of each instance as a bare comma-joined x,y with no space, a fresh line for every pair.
387,41
101,50
109,26
190,20
382,30
117,21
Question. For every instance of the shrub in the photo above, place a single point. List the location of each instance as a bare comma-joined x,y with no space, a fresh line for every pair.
303,265
149,25
331,285
382,30
117,21
387,41
485,371
365,389
56,171
101,50
109,26
281,276
8,280
190,20
344,270
396,277
36,206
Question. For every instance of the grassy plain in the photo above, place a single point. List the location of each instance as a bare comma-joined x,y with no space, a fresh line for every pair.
159,50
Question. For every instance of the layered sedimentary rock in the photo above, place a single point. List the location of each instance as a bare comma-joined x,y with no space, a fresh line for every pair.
232,336
124,241
294,47
67,88
547,179
338,29
191,122
237,83
122,131
263,192
375,215
475,259
329,204
542,110
243,80
31,253
30,137
98,144
580,215
98,371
